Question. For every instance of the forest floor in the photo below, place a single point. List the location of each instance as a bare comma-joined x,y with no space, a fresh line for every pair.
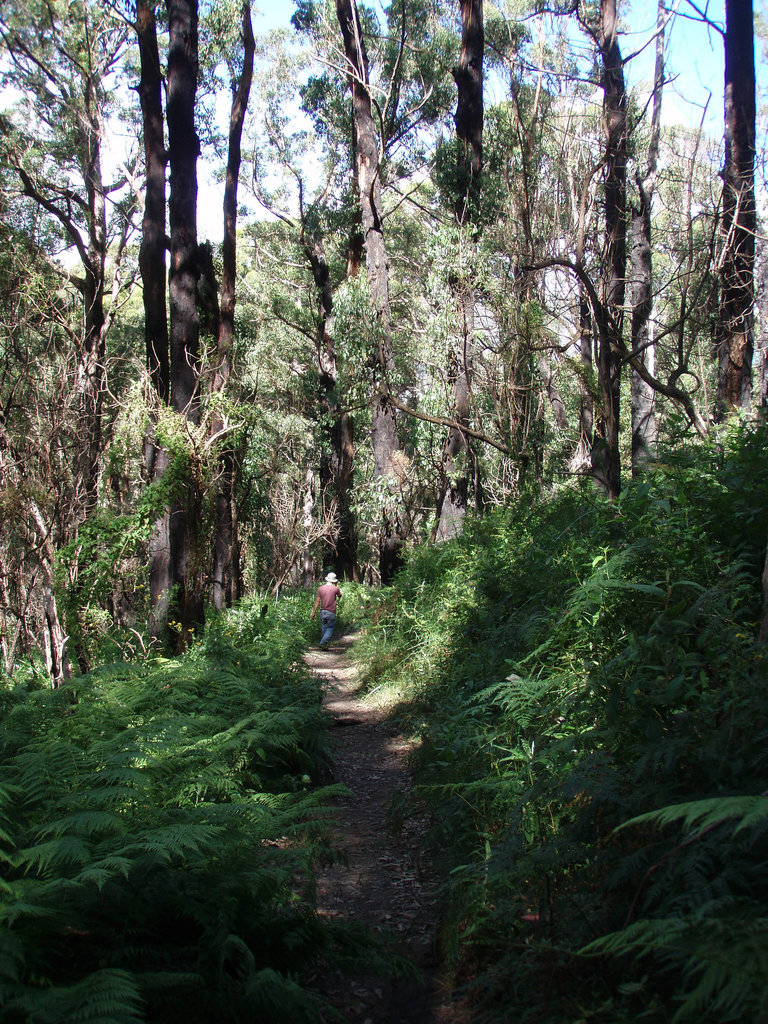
385,883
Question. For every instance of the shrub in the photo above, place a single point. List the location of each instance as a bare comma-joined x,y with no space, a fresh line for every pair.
577,664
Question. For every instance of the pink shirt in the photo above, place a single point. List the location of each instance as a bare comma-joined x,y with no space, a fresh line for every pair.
328,594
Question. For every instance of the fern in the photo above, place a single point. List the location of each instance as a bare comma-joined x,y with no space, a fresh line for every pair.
707,814
159,838
571,665
720,953
106,996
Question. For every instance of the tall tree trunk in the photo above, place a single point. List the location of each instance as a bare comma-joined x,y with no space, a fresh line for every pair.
54,637
452,500
153,277
605,451
225,582
54,640
183,149
644,428
553,393
152,250
735,340
586,400
91,369
339,471
761,304
383,415
468,74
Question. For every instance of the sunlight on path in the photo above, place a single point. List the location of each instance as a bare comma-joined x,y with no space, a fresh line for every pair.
385,884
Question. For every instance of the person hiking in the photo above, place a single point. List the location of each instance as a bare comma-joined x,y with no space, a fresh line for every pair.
327,596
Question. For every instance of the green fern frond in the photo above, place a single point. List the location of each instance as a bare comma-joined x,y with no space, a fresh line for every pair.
90,823
108,996
707,814
721,953
22,907
61,852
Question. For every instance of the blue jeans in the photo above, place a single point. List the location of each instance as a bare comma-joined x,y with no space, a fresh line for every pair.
327,625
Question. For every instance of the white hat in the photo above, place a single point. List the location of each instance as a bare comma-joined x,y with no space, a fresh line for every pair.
331,578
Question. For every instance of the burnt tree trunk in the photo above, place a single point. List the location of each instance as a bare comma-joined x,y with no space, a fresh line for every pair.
735,341
152,250
468,74
183,149
606,463
225,575
383,415
761,305
153,276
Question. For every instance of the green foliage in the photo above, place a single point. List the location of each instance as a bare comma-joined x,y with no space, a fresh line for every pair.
586,683
158,827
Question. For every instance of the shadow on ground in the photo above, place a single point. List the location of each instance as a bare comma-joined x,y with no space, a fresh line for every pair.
385,884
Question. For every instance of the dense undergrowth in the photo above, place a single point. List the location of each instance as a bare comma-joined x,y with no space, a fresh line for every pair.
593,707
158,826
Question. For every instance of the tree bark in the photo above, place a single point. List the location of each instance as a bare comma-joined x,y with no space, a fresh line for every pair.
91,369
339,471
606,463
225,574
761,304
183,149
468,75
154,279
54,640
735,337
644,427
452,501
383,415
152,250
586,403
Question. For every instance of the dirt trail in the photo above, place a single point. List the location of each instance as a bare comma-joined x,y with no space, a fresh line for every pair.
384,885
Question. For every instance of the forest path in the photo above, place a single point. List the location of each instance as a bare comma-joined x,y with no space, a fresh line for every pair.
385,884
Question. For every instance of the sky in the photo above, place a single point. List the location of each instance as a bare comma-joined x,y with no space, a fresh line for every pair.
695,59
695,52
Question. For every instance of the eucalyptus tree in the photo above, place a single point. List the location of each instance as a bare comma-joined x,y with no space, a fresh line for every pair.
409,92
182,563
303,179
735,342
538,149
173,539
153,224
415,97
226,578
62,61
37,433
579,232
609,310
152,265
468,75
61,65
384,437
644,423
